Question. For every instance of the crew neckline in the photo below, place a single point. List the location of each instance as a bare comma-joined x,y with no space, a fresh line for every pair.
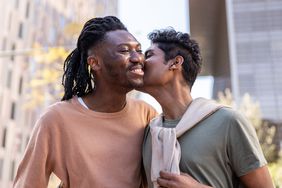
170,123
85,110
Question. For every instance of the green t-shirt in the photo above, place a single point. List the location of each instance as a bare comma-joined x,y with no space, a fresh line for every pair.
215,152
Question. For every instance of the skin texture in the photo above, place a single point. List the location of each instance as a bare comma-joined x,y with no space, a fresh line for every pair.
164,81
118,68
258,178
117,56
157,69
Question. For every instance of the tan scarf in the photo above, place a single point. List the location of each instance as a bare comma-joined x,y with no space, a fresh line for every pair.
166,151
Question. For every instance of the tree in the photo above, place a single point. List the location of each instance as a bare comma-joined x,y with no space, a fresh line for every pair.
45,78
46,70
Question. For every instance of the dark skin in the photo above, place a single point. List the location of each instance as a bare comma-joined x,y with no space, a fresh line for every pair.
117,64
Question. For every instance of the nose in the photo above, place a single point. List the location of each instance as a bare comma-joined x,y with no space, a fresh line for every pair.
137,57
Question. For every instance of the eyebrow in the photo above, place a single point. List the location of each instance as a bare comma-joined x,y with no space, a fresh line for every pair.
129,44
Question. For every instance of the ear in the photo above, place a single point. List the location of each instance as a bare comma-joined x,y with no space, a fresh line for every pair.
93,62
176,63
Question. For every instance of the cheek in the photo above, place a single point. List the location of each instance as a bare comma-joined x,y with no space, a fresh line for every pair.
154,66
152,72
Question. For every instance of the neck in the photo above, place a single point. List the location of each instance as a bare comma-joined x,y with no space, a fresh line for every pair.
174,99
106,100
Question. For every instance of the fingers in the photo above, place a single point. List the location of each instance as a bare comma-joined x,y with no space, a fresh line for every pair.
167,179
184,174
165,183
168,175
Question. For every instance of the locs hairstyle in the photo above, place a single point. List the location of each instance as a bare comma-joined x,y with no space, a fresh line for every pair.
77,78
174,43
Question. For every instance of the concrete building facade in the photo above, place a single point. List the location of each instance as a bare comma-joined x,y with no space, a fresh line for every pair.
242,48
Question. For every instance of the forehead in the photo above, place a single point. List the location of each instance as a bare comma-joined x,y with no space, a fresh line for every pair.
120,37
155,48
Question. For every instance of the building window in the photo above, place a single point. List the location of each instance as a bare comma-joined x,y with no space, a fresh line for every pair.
9,79
1,168
4,136
13,110
13,51
27,10
20,34
21,85
12,170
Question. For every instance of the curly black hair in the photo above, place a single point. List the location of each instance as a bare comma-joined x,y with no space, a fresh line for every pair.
78,79
174,43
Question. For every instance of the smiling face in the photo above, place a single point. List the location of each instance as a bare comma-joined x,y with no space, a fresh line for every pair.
156,67
120,60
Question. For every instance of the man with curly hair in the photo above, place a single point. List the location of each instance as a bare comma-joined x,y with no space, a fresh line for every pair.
194,142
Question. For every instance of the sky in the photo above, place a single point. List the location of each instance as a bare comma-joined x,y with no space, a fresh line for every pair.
143,16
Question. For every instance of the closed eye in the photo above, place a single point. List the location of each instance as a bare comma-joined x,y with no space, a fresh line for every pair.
124,50
148,55
139,51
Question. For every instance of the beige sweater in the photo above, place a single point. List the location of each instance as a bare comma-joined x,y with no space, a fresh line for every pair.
86,149
166,150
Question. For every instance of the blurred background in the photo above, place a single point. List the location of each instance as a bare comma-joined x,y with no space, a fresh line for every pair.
241,43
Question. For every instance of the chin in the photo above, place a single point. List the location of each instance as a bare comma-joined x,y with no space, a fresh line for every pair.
141,88
137,85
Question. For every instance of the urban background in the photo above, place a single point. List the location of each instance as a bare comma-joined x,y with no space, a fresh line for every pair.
241,42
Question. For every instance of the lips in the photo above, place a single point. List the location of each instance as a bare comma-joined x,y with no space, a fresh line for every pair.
138,69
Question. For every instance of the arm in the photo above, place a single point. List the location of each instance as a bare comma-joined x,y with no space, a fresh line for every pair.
34,169
246,156
258,178
171,180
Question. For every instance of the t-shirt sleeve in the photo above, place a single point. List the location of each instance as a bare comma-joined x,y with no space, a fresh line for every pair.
244,150
151,113
34,169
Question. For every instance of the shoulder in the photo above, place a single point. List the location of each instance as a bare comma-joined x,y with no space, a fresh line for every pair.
142,108
230,121
54,110
238,126
138,102
141,105
53,115
230,115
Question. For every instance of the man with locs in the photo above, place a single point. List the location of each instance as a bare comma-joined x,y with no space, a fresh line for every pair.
93,137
